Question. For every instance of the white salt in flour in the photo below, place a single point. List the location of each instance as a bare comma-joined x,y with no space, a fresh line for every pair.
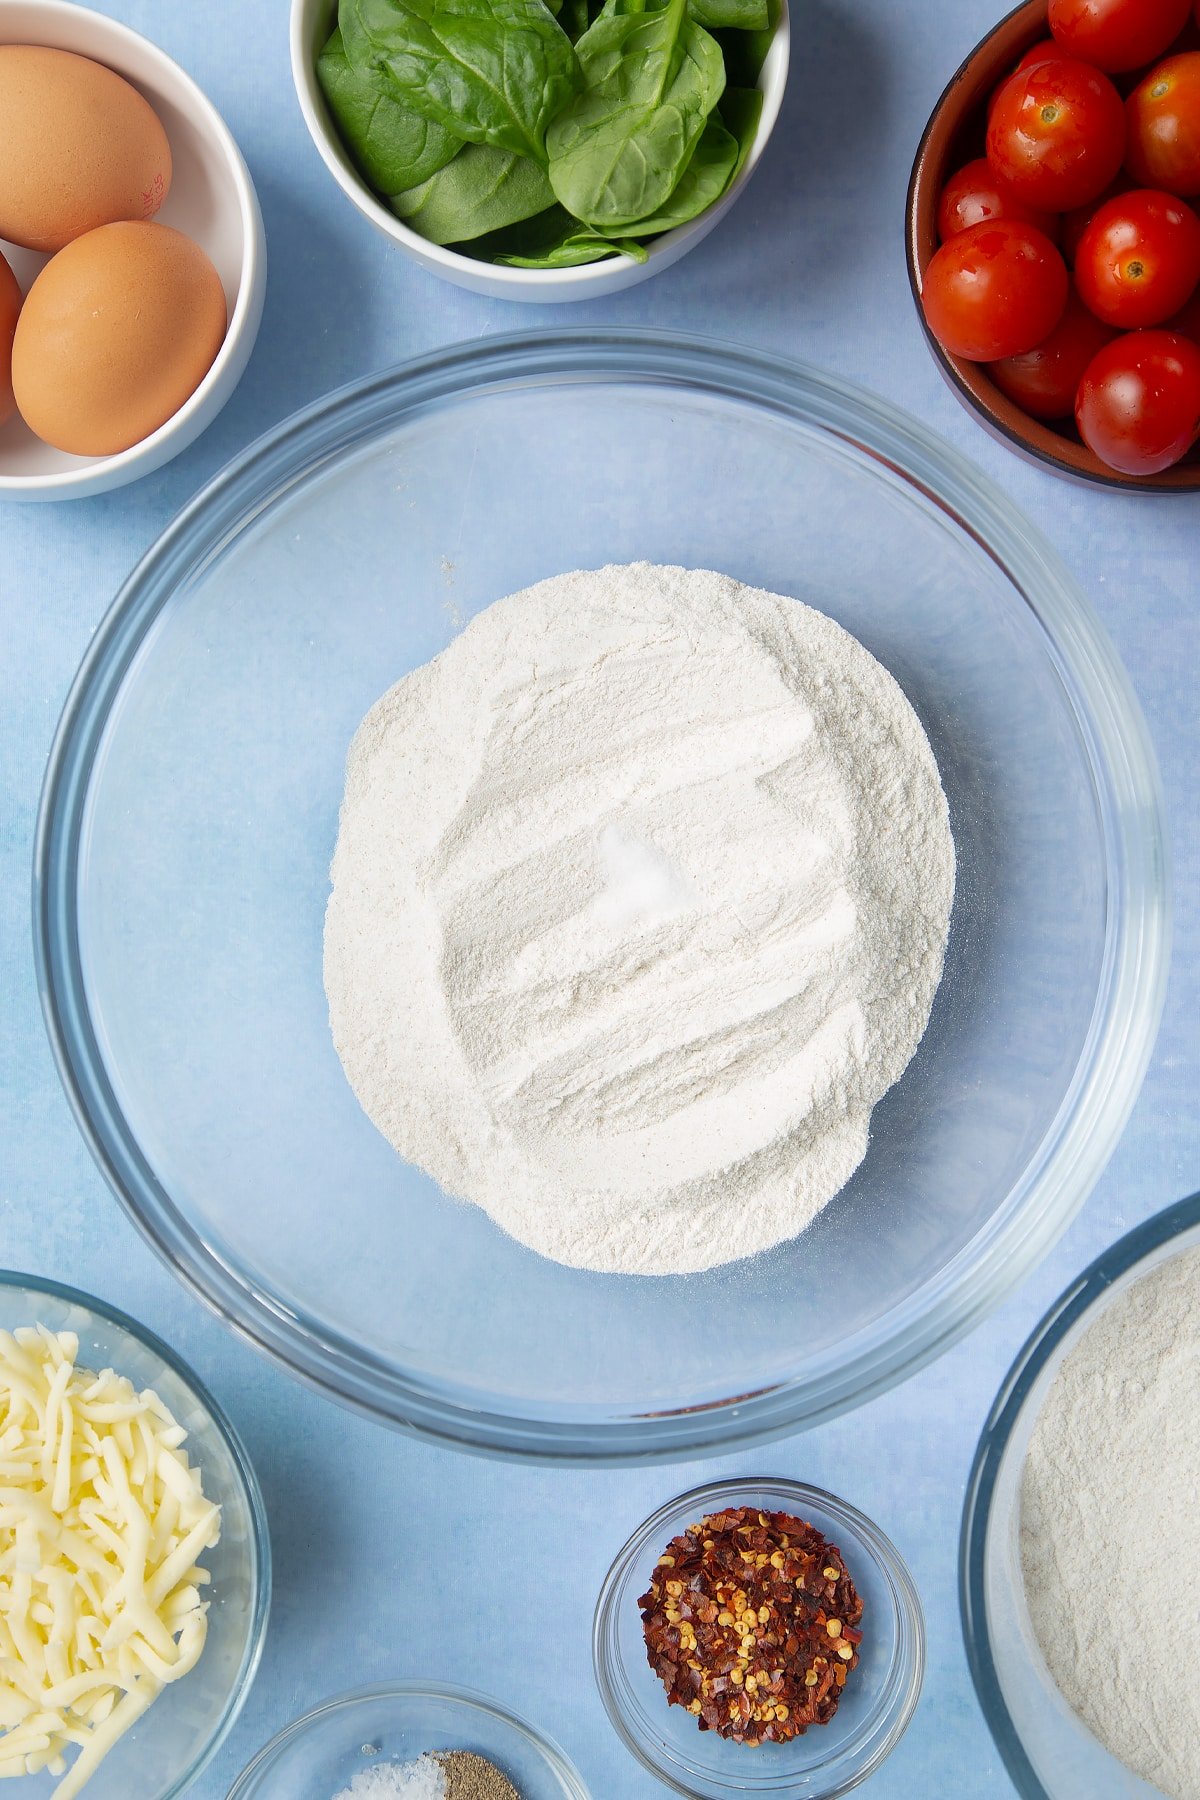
640,900
1110,1528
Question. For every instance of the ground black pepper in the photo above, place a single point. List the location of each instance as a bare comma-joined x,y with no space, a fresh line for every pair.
471,1777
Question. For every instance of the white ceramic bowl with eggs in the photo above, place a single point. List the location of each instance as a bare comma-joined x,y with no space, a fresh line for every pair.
312,22
212,200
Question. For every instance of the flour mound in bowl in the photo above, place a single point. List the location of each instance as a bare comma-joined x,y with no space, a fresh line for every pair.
640,901
1110,1527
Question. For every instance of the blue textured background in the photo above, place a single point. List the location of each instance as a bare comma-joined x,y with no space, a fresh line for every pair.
373,1533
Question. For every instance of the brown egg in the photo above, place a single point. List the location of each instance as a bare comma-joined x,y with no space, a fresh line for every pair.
115,334
79,148
10,306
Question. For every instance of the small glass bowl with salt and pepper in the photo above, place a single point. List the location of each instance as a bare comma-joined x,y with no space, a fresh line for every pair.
404,1723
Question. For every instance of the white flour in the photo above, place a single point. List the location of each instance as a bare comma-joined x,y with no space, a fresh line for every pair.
640,899
1110,1528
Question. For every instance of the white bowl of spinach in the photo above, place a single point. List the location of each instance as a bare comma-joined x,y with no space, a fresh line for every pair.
541,149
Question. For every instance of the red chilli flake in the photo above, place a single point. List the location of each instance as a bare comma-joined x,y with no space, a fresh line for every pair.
751,1623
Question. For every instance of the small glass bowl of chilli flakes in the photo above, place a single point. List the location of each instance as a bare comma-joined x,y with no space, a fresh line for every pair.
802,1704
750,1622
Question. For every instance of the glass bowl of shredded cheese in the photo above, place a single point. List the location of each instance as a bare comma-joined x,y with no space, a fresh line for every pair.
134,1556
190,817
398,1740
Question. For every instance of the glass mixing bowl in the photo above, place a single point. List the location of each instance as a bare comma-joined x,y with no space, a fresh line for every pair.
190,812
826,1761
318,1756
160,1756
1048,1751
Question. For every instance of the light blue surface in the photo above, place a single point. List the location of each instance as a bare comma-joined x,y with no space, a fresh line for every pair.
391,1558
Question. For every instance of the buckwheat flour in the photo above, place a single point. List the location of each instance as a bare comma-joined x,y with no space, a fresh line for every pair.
640,900
1110,1527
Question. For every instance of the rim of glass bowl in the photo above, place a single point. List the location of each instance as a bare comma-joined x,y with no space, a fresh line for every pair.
1128,799
903,1686
1039,1347
239,1693
246,1785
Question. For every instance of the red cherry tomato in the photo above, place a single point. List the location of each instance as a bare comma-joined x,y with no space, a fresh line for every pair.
1056,134
1117,34
1042,51
1076,222
1139,401
975,194
1139,259
994,290
1045,380
1162,117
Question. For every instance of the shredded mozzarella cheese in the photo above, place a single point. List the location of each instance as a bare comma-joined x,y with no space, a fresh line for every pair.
102,1522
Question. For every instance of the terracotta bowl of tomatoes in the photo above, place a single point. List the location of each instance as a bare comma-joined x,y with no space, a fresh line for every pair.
1102,294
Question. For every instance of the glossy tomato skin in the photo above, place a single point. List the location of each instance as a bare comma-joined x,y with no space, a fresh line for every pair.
1117,35
1045,380
994,290
1076,222
1138,261
1139,401
1162,117
1042,51
976,194
1056,134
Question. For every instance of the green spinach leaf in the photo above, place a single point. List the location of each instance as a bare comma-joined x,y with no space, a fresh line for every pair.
619,148
741,113
482,190
492,71
392,146
579,248
527,237
731,15
550,240
574,18
553,240
702,182
745,52
714,15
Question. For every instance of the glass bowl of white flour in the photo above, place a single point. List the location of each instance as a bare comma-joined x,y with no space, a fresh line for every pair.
1080,1572
191,814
